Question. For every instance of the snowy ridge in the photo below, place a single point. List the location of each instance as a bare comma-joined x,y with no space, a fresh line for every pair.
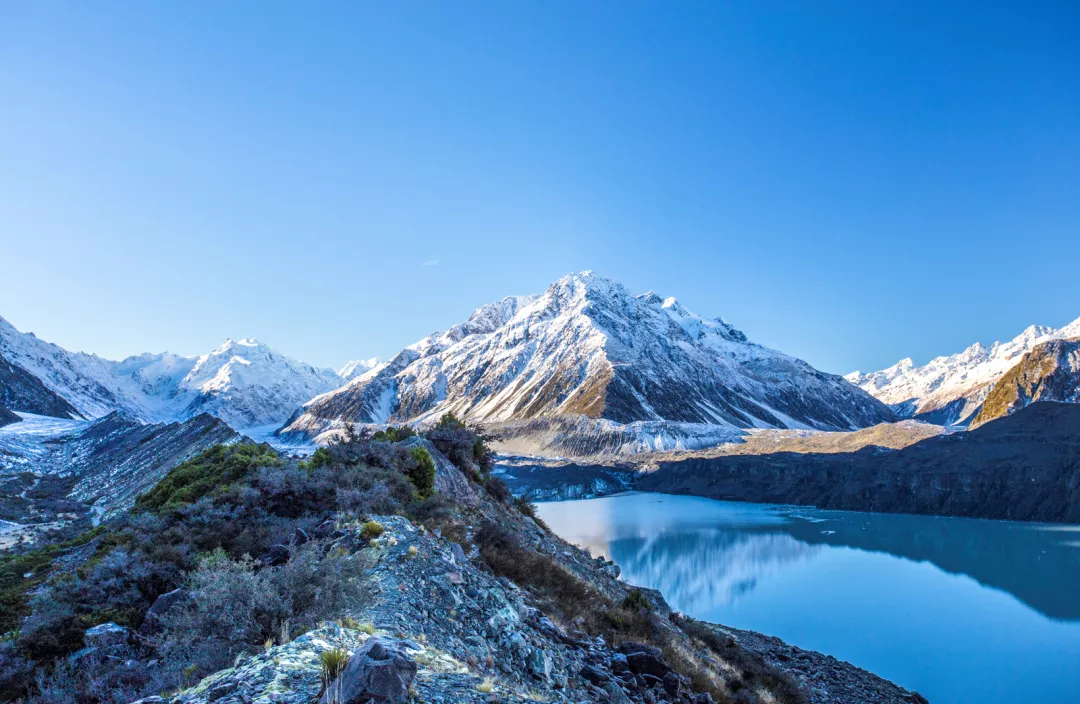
588,347
950,390
243,382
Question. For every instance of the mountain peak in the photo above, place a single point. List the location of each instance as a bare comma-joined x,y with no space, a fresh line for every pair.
586,346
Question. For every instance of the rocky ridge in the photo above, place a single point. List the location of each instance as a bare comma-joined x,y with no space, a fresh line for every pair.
22,391
7,417
1049,372
474,637
1023,467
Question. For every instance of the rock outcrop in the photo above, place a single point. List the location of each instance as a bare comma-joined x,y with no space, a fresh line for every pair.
1049,372
476,638
7,417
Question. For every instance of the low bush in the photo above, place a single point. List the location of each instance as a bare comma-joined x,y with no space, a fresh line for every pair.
216,468
498,490
393,434
320,458
753,672
238,607
422,472
635,601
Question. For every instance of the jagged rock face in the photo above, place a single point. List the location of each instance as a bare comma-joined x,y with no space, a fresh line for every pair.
950,390
588,347
22,391
1049,372
244,382
114,459
7,417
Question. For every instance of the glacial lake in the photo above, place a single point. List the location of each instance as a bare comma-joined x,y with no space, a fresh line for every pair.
960,610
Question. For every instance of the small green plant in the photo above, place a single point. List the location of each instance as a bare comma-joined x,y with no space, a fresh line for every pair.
332,663
321,458
372,530
635,601
422,473
449,422
394,434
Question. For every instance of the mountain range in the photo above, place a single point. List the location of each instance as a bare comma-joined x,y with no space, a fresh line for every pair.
243,382
628,372
951,390
588,347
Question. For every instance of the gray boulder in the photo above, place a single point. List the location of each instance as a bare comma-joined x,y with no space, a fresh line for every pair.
106,635
275,556
539,663
153,621
380,671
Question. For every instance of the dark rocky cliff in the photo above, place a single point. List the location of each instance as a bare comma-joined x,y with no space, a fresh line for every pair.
22,391
7,417
1025,466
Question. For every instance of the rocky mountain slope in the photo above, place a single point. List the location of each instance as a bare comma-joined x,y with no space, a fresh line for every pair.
1049,372
587,347
51,468
244,382
950,390
7,417
469,600
21,390
500,645
1024,466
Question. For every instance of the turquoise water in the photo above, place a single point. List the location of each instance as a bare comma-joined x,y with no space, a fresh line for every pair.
960,610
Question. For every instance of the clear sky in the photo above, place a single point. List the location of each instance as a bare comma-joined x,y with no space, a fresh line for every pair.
850,182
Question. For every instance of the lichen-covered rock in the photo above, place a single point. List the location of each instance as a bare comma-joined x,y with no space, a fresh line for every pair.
106,635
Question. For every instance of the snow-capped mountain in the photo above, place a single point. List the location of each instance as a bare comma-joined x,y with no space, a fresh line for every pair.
587,346
950,390
243,382
356,367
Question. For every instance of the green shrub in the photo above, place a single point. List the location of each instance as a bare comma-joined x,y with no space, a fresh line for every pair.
212,470
422,473
333,663
635,601
394,434
449,422
321,458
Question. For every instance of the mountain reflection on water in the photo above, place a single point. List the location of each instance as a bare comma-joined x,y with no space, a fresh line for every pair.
709,553
965,611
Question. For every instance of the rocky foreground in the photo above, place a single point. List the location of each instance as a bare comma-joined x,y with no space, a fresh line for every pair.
440,628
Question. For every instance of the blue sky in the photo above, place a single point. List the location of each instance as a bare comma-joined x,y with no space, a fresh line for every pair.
849,182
